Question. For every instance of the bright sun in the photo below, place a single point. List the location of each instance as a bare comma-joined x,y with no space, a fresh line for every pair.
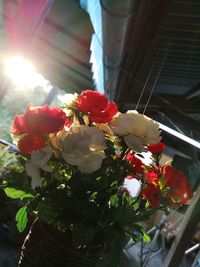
21,72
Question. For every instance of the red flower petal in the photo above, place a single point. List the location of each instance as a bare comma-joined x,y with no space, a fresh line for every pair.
180,189
136,163
152,177
111,109
153,194
68,123
156,148
97,106
18,125
89,99
44,119
30,142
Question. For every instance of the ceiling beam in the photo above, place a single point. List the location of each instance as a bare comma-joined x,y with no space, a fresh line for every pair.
69,73
190,106
63,29
182,119
195,91
143,29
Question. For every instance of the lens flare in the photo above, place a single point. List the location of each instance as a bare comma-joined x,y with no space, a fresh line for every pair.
20,71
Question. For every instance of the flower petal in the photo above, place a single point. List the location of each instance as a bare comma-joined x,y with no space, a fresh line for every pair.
31,142
133,186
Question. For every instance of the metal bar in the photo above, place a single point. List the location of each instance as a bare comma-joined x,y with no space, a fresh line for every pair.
183,15
154,240
193,248
197,258
185,233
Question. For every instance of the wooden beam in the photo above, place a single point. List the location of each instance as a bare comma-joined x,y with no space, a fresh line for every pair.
184,236
143,30
195,91
130,100
173,109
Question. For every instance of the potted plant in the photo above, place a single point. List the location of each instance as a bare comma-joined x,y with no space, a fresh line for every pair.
89,187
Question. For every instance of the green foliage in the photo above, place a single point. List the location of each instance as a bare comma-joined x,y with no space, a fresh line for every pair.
162,182
138,233
17,193
146,237
6,158
22,218
13,173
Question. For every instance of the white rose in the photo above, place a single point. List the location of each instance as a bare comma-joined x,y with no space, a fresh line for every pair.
137,128
133,186
38,161
133,142
83,146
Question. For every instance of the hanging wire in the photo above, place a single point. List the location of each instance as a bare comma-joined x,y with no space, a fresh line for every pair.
144,87
153,88
116,70
118,67
157,77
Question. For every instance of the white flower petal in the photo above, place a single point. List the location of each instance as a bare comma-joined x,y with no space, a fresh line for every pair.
133,186
34,173
133,142
84,147
91,163
39,160
139,125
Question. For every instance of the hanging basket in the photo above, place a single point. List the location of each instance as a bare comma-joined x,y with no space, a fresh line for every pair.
46,247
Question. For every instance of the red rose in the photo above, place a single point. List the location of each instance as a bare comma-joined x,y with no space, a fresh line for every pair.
30,142
39,120
18,125
152,177
153,194
154,174
97,106
180,190
135,162
156,148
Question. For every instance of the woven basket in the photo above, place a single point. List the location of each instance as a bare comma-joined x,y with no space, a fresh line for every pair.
46,247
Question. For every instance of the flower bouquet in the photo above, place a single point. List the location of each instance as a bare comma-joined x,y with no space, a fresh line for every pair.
89,181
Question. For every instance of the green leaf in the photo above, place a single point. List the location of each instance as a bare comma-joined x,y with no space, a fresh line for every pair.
139,234
114,200
146,237
16,193
162,182
21,218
